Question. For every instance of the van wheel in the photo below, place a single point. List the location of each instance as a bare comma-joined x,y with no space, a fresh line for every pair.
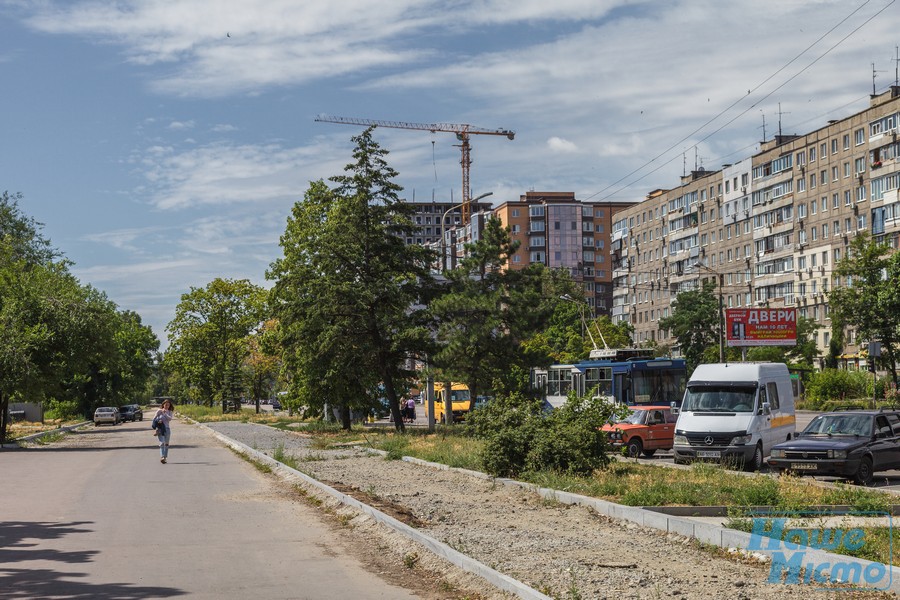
756,462
864,473
634,447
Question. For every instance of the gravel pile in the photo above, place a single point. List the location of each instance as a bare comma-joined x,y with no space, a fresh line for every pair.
563,551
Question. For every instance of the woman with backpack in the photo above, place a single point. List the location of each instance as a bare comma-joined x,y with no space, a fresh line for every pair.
162,423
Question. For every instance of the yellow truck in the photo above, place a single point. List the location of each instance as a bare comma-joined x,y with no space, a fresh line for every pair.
459,396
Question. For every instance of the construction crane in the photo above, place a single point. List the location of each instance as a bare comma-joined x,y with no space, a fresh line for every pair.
462,131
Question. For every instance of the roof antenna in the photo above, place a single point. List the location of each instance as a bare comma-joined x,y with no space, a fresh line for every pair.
763,126
779,118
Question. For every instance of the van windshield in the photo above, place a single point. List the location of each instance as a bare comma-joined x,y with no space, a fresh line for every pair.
711,398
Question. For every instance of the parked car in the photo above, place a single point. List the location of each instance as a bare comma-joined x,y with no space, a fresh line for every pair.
131,412
646,430
276,404
735,412
106,414
853,444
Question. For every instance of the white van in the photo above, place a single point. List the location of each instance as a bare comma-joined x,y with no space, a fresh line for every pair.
735,412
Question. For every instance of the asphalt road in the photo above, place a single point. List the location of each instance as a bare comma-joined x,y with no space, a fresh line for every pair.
106,520
888,481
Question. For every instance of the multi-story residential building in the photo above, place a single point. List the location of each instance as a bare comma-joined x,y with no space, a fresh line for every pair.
768,229
561,232
427,219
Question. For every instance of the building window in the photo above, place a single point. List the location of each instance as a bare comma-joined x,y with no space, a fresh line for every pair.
516,228
515,212
834,146
846,141
859,136
812,154
537,257
536,211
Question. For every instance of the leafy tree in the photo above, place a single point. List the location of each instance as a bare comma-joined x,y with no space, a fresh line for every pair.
869,300
694,322
347,289
263,361
208,337
488,312
60,341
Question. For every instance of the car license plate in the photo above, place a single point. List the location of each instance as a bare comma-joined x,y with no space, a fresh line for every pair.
709,453
804,466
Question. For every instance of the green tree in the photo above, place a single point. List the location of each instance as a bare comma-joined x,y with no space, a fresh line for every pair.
865,295
60,341
694,322
208,337
348,289
488,312
263,361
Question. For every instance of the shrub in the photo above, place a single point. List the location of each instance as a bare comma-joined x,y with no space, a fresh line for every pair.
64,410
521,436
836,385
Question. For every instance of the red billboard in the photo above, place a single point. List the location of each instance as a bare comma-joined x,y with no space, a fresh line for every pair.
761,327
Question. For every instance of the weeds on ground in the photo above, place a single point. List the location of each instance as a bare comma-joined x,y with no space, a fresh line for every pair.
50,438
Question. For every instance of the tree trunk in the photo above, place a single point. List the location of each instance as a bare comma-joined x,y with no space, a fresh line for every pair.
393,401
346,424
4,413
448,403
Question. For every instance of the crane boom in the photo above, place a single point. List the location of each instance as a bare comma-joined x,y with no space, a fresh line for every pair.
462,131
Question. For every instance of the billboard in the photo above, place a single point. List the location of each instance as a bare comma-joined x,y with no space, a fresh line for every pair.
761,327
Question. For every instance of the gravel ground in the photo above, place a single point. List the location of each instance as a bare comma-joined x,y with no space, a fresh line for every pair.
566,552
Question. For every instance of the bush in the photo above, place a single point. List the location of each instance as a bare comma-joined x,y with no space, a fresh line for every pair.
836,386
520,436
64,410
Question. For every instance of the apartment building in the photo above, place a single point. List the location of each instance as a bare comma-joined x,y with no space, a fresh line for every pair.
562,232
428,216
769,229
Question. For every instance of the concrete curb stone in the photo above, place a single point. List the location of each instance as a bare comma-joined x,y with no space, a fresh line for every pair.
495,578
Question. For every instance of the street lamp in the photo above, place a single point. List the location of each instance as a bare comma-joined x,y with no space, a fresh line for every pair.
721,311
444,218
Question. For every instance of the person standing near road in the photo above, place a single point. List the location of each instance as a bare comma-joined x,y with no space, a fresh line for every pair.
165,414
411,410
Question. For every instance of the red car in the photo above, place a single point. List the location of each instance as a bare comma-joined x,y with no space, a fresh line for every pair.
646,430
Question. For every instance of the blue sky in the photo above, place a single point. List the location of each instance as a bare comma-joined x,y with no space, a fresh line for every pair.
162,143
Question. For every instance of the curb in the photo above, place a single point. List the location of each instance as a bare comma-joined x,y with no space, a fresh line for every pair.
723,537
495,578
35,436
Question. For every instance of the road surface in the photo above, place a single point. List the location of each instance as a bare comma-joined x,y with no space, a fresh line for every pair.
104,519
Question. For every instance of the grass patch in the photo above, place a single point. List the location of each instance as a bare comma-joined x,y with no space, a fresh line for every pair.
50,438
20,429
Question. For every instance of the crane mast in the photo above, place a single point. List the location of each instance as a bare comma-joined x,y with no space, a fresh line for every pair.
462,132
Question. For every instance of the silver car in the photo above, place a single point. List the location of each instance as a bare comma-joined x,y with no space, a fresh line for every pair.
106,414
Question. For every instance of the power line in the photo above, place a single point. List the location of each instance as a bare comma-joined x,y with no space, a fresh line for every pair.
749,92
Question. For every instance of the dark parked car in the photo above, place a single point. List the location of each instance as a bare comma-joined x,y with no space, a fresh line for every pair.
853,444
131,412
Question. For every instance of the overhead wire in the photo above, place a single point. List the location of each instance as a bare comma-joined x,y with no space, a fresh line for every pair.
736,102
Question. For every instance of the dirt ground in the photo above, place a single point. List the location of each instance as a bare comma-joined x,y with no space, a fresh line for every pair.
566,552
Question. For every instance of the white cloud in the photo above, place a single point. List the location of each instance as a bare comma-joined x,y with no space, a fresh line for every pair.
226,173
181,125
558,144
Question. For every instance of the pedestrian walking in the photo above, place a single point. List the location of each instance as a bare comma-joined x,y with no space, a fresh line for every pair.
411,410
163,419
